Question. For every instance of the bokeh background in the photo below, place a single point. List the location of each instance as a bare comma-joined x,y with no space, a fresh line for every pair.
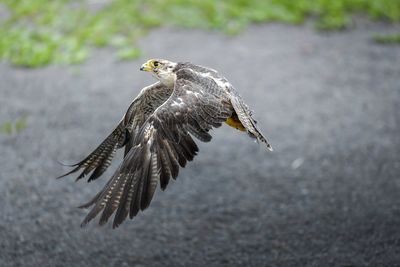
323,79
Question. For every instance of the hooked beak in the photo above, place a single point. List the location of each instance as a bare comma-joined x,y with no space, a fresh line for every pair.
146,67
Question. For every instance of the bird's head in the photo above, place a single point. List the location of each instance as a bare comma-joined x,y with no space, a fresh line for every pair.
161,69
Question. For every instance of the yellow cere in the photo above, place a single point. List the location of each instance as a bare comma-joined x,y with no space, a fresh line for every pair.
148,66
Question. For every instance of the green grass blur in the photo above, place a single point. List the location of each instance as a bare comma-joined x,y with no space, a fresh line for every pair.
40,32
15,127
387,39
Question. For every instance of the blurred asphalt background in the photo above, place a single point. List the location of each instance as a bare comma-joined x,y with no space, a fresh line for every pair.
329,195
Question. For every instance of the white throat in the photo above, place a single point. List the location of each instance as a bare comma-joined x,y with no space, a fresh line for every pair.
166,78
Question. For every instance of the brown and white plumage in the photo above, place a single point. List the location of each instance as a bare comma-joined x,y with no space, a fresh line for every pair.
157,130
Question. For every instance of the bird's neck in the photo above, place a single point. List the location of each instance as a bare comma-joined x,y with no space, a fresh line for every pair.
167,79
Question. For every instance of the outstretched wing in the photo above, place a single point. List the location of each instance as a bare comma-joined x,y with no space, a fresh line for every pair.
141,108
163,144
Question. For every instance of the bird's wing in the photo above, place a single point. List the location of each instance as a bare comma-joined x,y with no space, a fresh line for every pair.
143,105
162,145
245,116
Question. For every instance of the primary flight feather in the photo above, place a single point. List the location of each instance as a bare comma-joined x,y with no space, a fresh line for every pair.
156,131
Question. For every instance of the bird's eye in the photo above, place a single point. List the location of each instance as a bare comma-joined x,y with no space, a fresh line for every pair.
156,63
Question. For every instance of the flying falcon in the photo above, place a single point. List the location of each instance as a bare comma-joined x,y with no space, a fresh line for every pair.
157,133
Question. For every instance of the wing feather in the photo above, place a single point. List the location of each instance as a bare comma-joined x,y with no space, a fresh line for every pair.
162,145
166,172
124,134
100,159
244,115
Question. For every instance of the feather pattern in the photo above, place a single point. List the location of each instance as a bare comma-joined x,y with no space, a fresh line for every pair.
156,132
141,108
162,146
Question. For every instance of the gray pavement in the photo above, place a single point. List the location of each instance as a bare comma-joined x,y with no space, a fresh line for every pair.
327,196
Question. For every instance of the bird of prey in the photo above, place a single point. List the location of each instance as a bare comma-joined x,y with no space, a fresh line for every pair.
157,133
